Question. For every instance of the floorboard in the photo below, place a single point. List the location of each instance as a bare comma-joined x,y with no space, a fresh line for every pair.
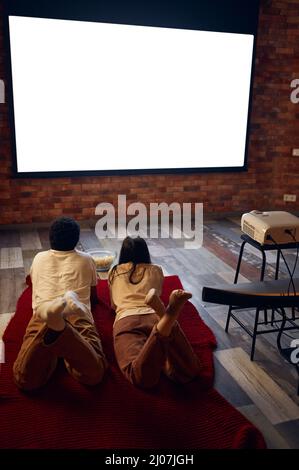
274,403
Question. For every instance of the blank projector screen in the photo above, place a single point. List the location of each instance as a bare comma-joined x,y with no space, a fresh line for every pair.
103,97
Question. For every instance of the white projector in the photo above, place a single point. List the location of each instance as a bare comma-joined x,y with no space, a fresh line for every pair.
264,227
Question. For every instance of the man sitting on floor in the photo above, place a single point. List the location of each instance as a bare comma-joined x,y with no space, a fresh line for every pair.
63,282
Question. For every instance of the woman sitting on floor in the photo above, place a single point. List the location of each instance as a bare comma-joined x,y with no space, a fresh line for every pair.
147,336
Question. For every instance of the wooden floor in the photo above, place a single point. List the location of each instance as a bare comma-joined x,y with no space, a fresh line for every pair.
264,390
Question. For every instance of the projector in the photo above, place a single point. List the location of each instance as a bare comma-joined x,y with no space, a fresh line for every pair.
264,227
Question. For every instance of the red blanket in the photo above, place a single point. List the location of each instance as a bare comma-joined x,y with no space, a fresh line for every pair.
115,414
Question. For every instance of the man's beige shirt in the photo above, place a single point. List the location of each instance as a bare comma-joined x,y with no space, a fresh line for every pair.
55,272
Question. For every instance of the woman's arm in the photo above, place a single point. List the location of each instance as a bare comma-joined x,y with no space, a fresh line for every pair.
113,306
161,280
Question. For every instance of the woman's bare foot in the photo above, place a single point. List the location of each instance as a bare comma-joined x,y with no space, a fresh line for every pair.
177,300
154,301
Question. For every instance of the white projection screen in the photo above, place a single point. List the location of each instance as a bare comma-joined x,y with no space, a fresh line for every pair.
92,96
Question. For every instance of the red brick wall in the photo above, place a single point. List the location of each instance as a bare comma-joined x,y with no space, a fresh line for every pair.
272,169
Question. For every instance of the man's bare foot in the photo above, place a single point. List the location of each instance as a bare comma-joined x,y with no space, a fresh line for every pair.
73,304
154,301
51,313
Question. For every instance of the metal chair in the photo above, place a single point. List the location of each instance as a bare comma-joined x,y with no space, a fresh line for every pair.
257,322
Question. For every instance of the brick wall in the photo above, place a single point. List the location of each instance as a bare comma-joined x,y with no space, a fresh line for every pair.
272,169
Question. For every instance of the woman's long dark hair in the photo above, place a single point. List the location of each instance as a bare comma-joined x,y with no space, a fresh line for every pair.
135,251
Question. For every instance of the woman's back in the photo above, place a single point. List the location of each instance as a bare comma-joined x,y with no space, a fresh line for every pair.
128,290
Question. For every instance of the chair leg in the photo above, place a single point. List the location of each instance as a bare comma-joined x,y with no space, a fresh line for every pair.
228,318
254,334
235,282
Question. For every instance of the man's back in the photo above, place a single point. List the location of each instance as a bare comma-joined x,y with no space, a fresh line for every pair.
54,272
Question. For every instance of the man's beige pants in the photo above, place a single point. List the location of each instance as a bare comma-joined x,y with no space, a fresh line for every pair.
78,344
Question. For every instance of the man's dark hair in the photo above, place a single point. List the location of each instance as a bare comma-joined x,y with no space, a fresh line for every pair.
64,234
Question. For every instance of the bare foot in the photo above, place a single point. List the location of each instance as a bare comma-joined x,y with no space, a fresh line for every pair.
51,313
154,301
73,304
177,300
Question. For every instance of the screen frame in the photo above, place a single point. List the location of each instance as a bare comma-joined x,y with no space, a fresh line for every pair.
17,8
